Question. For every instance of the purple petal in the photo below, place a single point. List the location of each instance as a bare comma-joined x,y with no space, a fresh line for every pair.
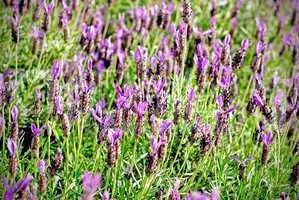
219,102
14,113
24,183
267,138
91,182
277,100
12,147
164,126
245,44
257,99
41,165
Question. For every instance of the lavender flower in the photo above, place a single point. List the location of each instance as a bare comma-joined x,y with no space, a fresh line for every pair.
37,101
105,195
35,141
48,9
187,11
12,148
65,124
239,57
9,191
163,130
140,109
159,102
195,130
37,37
36,13
90,185
242,164
173,193
202,61
113,145
120,65
206,139
225,53
189,106
57,162
140,57
153,157
14,134
42,182
85,97
15,28
261,31
267,140
22,185
177,112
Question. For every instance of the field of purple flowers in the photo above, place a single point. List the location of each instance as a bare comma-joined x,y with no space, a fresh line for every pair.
117,99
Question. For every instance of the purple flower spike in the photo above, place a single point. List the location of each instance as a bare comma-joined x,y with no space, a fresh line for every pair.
41,166
227,40
14,113
140,54
164,126
48,8
91,182
206,128
89,64
114,136
140,108
226,77
121,55
174,194
56,69
154,145
24,183
191,94
261,24
9,190
36,33
12,147
245,44
106,195
260,47
37,131
219,102
258,99
277,100
267,138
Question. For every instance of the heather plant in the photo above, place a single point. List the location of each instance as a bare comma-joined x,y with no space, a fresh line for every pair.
149,99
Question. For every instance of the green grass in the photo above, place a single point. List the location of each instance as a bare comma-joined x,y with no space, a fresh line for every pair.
184,160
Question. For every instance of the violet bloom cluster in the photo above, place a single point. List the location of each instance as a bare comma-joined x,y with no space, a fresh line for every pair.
17,190
14,133
114,145
36,139
202,61
189,106
164,132
204,195
222,117
12,148
42,182
153,156
90,185
267,140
